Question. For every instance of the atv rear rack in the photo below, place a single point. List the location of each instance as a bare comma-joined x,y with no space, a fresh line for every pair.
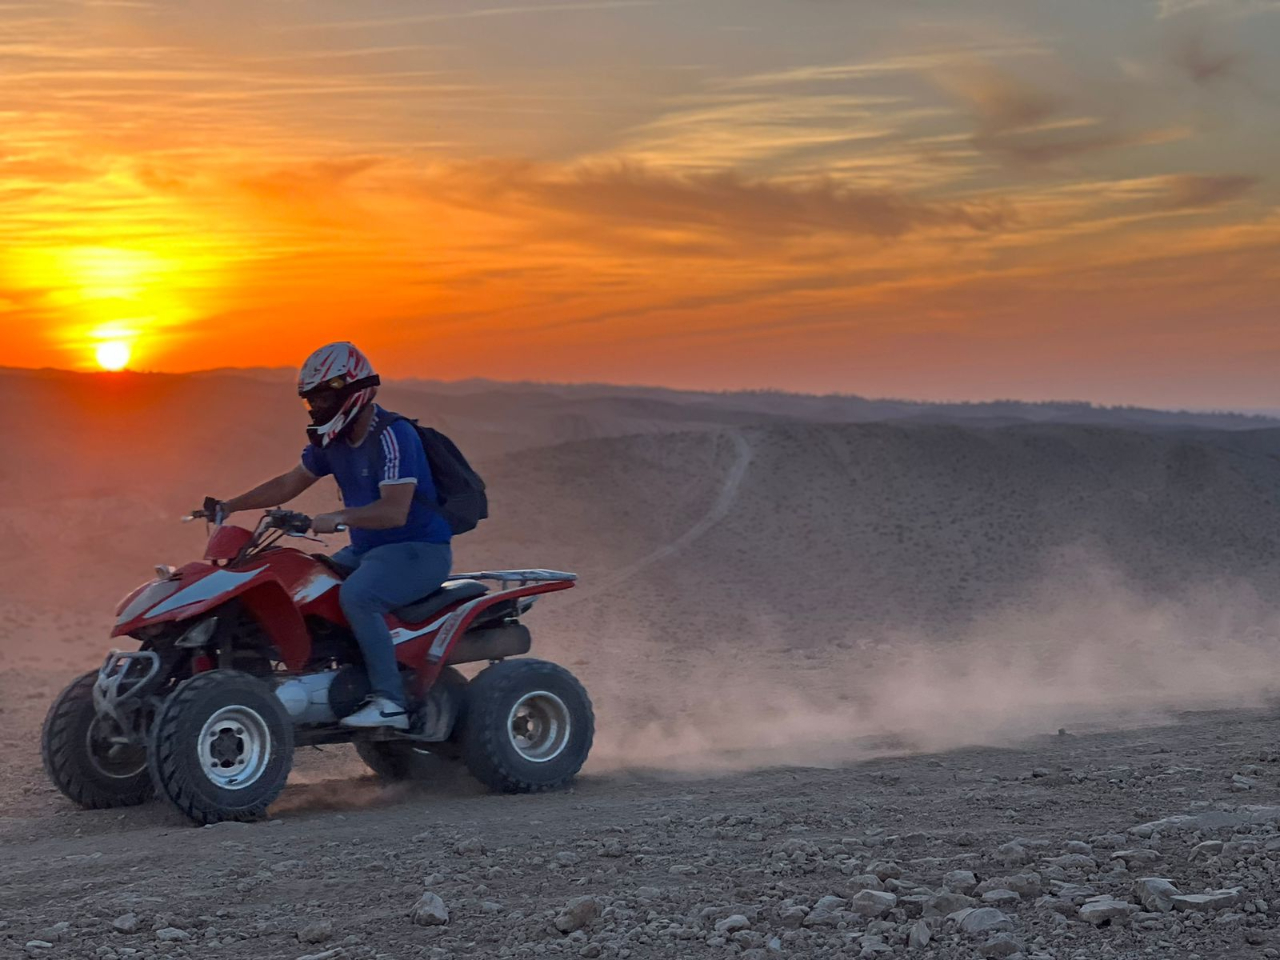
520,577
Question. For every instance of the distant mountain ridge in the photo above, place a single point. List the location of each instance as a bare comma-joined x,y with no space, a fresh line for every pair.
739,406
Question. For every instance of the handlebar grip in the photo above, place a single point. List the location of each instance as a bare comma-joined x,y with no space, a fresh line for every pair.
342,528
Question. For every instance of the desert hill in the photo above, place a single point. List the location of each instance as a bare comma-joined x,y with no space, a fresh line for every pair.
712,512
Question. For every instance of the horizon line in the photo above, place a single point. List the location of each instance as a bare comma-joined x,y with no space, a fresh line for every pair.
1262,413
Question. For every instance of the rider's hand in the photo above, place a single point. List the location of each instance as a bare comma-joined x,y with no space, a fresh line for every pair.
216,510
326,523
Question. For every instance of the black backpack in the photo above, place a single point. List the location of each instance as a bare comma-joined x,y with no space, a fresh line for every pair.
461,499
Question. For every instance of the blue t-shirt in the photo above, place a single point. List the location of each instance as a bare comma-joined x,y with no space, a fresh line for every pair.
362,471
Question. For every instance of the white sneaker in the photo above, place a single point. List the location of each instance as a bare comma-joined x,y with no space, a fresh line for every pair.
379,712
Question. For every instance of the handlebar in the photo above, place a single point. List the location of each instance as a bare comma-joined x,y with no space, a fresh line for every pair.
293,524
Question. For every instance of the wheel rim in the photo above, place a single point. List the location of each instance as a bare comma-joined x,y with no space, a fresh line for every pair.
539,726
110,752
234,747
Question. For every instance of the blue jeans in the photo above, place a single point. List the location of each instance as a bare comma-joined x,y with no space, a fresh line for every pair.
386,578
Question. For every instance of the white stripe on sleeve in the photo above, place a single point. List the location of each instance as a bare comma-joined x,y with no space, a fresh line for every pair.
391,455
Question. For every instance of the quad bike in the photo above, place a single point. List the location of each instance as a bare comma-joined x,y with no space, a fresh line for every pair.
246,656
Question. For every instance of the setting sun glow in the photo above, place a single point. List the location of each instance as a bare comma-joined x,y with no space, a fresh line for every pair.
113,355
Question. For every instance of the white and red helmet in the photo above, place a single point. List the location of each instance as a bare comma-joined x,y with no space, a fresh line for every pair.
337,382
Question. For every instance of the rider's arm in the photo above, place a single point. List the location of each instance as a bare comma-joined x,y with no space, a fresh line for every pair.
386,513
274,492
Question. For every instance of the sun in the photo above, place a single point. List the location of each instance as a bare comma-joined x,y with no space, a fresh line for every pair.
113,354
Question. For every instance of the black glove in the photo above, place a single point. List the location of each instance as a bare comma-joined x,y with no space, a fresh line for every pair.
215,510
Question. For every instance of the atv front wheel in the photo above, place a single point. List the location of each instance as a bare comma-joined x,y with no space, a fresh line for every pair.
528,726
221,747
87,756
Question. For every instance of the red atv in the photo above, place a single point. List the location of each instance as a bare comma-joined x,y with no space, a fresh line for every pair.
248,655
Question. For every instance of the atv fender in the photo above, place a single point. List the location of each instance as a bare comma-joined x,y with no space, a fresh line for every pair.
259,592
458,622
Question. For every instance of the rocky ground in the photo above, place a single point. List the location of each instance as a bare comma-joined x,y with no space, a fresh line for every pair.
1161,841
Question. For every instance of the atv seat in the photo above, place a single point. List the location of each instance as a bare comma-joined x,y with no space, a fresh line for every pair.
455,591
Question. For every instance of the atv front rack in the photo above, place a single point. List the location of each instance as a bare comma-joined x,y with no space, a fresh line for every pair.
520,577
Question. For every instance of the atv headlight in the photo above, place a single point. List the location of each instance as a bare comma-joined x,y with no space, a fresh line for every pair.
199,635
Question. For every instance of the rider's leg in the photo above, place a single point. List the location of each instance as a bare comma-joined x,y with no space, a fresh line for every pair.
389,577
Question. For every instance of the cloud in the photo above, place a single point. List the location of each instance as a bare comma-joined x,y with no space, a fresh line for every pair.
477,13
1192,191
734,130
625,196
1195,56
1227,8
1028,124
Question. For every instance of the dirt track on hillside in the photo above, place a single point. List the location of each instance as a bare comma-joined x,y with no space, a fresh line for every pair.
675,866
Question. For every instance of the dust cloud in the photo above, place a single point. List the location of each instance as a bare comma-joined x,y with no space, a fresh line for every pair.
1088,651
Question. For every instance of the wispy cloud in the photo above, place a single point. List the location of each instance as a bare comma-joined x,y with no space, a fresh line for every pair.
472,13
1228,8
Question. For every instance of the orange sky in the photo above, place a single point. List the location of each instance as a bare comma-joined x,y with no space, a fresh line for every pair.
893,197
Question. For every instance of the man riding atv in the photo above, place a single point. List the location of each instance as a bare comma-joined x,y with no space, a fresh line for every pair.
400,543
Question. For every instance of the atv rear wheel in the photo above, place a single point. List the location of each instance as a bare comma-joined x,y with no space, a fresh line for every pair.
85,756
396,760
528,726
221,747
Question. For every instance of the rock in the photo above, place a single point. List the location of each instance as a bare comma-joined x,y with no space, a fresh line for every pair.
984,920
39,945
1026,884
1012,854
1073,861
1155,894
1207,849
913,904
682,870
1207,902
1075,892
591,951
1240,784
920,935
317,931
473,847
128,923
885,870
172,935
1001,946
429,911
577,913
792,915
1209,820
55,933
827,912
1078,846
872,903
998,898
1058,905
945,904
333,954
865,881
1104,909
960,881
1140,857
733,924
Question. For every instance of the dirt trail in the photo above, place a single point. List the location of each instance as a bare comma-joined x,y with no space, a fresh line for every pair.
719,510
